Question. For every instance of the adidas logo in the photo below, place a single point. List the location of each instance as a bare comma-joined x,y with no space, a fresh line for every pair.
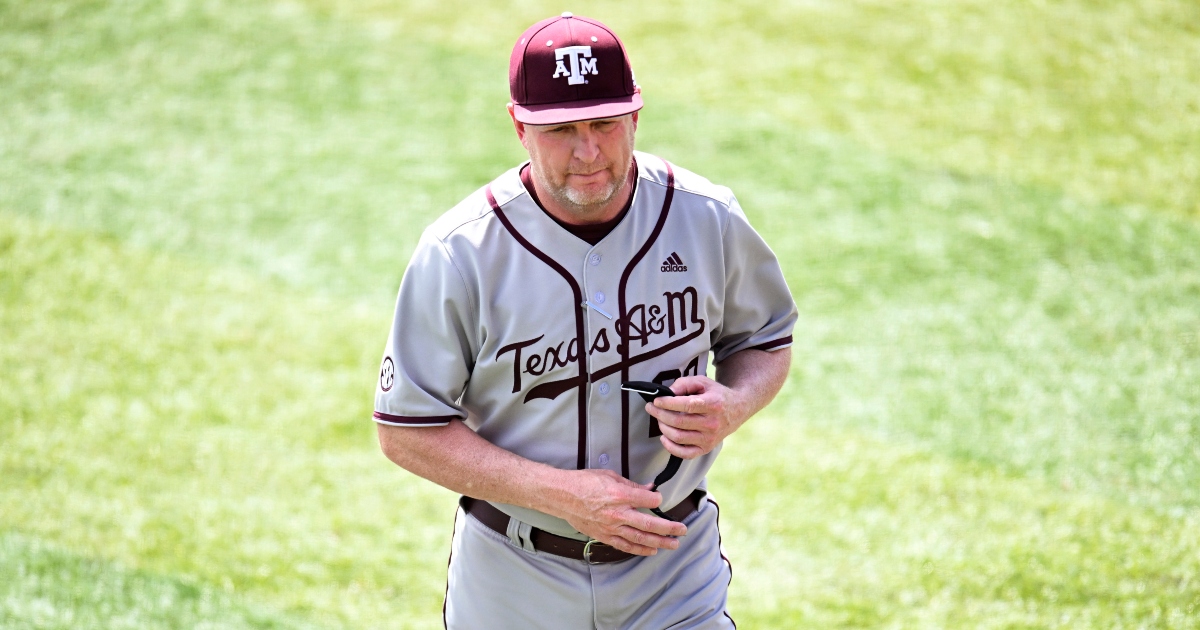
673,263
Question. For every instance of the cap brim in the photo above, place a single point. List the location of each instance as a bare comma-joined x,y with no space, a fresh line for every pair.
575,111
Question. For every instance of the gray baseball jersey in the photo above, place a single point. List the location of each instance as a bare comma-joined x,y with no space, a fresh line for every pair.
509,322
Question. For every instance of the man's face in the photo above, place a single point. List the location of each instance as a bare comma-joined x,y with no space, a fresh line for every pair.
582,165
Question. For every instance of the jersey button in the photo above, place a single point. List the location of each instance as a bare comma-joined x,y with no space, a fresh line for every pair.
594,259
599,297
603,459
603,389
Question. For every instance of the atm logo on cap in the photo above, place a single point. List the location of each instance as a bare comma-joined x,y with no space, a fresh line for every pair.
581,62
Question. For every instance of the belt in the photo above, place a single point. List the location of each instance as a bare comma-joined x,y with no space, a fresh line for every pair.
594,552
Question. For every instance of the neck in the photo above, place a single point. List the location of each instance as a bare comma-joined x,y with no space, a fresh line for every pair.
583,215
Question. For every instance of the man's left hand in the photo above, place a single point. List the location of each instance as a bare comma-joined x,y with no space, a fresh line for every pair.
699,416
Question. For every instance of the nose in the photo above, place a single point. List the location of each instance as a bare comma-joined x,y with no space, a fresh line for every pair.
587,146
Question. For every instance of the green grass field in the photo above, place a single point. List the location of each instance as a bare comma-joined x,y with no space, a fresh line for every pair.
989,214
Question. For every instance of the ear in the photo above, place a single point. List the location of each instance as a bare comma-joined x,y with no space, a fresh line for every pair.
517,125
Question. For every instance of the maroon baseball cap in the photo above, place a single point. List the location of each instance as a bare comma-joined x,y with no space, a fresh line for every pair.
570,68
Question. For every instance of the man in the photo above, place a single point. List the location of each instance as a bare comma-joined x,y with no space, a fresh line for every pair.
520,315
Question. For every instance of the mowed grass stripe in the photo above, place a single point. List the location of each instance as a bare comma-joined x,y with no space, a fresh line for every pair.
206,425
833,527
48,588
251,135
1098,99
274,136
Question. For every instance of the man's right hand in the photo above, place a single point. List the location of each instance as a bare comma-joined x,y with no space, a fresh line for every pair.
604,506
598,503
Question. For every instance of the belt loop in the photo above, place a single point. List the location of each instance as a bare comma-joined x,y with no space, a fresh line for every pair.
519,533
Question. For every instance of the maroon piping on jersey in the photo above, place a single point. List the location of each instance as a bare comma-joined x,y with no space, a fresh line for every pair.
414,420
623,345
721,549
581,455
591,233
446,596
783,341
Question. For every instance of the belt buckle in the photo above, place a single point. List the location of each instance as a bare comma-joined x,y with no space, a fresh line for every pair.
587,550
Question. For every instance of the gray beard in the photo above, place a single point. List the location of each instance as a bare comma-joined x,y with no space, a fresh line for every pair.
583,200
579,201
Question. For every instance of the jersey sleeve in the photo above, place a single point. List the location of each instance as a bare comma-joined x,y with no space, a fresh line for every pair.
759,311
428,357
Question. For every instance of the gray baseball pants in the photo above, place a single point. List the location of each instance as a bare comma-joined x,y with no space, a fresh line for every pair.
494,582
